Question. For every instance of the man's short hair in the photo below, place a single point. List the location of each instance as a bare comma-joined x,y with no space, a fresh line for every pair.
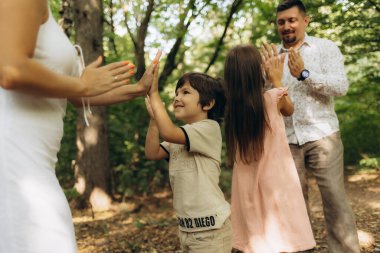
287,4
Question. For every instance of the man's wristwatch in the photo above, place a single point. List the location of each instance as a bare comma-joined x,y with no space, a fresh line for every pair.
304,74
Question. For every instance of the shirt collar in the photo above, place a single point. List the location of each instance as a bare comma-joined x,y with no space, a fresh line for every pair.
306,41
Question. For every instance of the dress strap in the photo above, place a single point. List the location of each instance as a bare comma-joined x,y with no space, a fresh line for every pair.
85,101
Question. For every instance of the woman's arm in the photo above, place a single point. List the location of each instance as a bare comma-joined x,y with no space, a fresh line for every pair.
20,21
126,92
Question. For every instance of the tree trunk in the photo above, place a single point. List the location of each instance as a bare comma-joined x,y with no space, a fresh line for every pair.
66,12
92,167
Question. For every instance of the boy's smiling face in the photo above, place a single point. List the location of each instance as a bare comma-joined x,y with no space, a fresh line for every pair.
186,105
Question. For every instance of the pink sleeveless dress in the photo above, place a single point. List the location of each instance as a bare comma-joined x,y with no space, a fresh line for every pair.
268,210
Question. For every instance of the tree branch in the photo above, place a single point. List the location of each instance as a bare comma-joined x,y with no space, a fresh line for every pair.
141,36
112,25
375,5
234,8
182,28
129,29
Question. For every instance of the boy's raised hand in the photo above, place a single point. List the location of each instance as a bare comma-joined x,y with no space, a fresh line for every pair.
147,79
149,107
154,87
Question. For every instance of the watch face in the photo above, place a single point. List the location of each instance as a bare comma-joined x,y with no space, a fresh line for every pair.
305,74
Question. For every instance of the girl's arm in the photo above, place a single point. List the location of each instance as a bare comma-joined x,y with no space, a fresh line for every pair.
153,150
168,131
19,71
285,105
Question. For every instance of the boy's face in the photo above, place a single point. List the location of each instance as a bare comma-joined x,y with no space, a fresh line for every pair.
186,105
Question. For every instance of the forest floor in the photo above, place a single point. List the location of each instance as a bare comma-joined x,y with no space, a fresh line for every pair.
148,224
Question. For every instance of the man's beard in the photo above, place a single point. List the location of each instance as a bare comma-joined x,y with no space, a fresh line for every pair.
288,39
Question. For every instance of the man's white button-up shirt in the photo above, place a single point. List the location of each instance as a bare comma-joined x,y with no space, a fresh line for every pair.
314,116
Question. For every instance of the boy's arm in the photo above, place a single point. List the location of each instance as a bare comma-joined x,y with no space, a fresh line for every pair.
153,150
168,131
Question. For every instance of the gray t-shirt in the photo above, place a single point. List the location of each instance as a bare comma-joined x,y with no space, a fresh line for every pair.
194,171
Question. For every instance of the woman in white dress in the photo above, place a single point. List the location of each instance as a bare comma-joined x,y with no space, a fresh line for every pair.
38,66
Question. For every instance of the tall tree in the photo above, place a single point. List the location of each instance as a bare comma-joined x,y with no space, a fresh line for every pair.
186,16
91,167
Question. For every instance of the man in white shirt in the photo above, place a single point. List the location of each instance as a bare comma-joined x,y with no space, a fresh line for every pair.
314,73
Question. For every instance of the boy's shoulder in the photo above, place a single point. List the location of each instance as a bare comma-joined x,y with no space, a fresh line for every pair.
206,125
204,122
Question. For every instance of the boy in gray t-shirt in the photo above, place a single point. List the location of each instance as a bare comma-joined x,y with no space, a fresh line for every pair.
194,153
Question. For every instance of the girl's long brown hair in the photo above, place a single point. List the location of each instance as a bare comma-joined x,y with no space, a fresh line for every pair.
246,117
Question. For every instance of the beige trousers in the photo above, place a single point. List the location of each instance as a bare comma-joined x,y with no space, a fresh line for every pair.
324,159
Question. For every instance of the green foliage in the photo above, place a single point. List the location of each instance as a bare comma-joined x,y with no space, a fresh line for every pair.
372,163
352,24
67,152
132,172
71,193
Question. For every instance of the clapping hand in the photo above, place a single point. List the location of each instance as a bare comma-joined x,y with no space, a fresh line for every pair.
154,87
149,107
148,77
97,80
295,63
273,64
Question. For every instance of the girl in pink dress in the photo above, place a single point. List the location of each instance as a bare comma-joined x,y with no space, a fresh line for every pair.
268,209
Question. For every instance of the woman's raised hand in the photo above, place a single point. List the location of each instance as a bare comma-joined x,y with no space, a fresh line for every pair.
98,80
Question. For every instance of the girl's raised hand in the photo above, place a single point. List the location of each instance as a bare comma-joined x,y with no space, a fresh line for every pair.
273,64
98,80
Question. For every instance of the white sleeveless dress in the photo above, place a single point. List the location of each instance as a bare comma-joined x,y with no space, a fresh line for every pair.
34,213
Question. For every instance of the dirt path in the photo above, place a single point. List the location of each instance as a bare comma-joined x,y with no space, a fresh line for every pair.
148,225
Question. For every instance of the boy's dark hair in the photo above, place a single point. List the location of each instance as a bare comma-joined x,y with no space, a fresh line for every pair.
209,89
287,4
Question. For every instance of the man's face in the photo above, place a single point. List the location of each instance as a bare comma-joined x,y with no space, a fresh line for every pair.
291,26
